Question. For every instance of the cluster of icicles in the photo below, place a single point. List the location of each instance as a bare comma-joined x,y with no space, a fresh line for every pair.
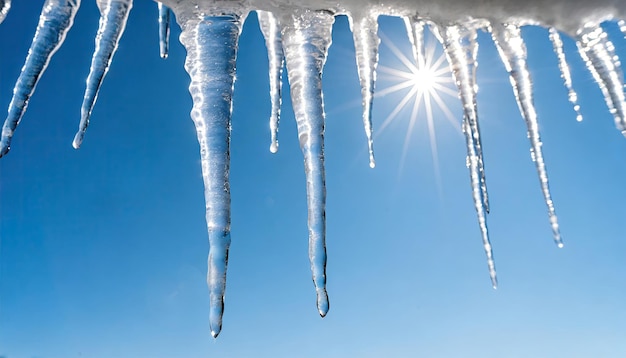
301,39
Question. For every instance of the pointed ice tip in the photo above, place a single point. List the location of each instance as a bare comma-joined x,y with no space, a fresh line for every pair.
4,149
274,147
164,55
372,163
215,333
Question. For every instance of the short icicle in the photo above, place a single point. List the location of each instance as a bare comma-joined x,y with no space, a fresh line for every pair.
622,26
366,42
415,30
596,50
211,43
306,39
508,39
270,27
5,6
557,44
461,47
164,30
55,20
113,17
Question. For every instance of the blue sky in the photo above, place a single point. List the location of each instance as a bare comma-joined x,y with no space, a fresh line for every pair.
103,250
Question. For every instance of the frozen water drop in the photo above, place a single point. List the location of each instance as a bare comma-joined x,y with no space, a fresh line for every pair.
557,44
211,43
508,39
164,30
596,51
55,20
113,17
307,36
366,42
270,27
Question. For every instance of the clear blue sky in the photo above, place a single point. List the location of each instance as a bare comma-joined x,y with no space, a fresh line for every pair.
104,249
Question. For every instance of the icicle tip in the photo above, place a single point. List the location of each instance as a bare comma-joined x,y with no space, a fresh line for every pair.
274,147
78,139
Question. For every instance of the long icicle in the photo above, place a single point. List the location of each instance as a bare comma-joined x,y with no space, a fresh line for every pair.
415,30
164,30
461,47
55,20
270,27
307,35
557,45
113,17
211,44
508,39
5,6
595,50
366,42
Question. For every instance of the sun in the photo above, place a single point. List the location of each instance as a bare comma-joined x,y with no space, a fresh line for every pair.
425,78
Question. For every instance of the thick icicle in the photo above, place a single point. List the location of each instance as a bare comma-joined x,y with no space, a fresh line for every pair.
415,30
596,50
366,42
164,30
211,44
461,48
557,44
273,41
113,17
306,39
508,39
5,6
55,20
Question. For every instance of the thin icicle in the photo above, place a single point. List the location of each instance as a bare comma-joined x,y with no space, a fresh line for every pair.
508,39
270,27
113,17
461,49
211,44
472,163
5,6
55,20
307,35
596,51
366,42
622,26
164,30
557,44
415,30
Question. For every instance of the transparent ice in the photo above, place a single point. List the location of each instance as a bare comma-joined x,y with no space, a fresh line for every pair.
298,33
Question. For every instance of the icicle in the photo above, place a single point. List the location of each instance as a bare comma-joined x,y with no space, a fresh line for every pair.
415,30
366,42
461,49
273,41
596,51
113,16
5,6
508,39
164,30
306,39
55,20
211,44
622,26
557,44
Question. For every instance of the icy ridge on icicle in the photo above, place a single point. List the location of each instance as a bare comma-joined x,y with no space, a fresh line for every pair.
113,17
366,42
270,27
415,30
5,6
164,30
306,39
595,49
211,44
55,20
508,39
461,48
557,45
